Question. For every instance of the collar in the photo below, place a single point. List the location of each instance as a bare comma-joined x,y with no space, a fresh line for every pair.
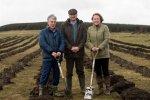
51,29
74,23
97,26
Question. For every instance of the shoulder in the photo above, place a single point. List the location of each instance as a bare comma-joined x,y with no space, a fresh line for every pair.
103,25
43,31
91,27
65,23
80,21
58,30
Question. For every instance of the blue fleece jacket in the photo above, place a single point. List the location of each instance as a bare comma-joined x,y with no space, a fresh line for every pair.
51,42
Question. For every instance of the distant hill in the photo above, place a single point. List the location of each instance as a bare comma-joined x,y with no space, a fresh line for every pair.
112,27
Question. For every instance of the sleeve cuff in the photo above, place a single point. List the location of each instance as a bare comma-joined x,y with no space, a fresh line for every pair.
60,51
51,52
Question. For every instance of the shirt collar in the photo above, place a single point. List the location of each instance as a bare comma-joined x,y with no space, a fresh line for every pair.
53,30
74,23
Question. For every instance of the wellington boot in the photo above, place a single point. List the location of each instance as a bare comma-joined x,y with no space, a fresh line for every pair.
55,91
82,84
41,87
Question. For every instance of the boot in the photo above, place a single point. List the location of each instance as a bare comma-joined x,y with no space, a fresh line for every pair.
107,83
82,84
55,91
69,86
41,87
100,85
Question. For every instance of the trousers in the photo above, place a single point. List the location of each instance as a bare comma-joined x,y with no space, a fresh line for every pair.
101,67
46,68
78,64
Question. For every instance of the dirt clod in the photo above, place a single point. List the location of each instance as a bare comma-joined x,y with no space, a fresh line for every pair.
122,85
135,94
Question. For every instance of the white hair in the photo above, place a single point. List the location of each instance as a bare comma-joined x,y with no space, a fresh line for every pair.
52,16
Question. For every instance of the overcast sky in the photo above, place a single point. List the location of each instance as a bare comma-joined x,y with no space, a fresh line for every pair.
113,11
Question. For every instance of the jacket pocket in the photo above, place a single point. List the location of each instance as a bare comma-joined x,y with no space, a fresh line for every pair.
103,52
80,53
46,56
67,52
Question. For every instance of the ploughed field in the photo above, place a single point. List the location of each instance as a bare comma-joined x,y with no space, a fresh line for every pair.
21,67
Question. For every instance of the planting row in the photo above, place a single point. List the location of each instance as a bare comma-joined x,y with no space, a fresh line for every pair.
131,44
123,87
129,65
130,48
130,51
9,39
3,39
12,48
10,72
18,51
15,42
18,39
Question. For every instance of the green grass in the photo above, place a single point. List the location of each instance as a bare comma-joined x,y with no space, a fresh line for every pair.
20,44
135,60
7,62
132,38
140,81
23,83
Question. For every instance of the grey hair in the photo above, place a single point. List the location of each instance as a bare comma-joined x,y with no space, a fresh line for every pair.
52,16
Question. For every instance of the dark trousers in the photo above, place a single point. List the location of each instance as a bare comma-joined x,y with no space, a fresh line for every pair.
46,72
78,64
101,66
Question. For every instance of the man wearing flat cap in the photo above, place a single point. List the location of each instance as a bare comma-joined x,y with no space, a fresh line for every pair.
75,34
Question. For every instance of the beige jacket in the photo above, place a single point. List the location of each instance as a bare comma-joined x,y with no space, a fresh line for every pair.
99,37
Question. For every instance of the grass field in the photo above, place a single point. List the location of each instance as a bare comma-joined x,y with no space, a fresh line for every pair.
24,81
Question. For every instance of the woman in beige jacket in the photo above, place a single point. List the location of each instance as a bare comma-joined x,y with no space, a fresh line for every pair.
98,37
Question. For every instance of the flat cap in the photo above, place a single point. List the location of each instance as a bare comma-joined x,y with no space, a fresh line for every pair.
72,12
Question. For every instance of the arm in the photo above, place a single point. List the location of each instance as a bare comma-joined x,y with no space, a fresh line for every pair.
62,43
67,43
82,42
89,43
106,39
43,44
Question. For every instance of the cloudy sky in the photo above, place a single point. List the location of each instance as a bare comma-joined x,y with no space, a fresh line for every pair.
113,11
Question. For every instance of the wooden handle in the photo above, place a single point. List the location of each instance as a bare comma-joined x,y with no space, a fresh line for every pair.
93,67
95,55
60,70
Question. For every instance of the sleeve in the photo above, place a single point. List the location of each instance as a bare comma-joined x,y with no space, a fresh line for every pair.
62,43
43,43
89,43
67,43
83,41
106,38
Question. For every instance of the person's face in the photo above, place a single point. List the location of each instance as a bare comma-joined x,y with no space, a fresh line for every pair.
96,20
52,23
73,17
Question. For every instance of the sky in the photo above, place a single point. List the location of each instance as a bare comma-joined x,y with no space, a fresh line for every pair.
113,11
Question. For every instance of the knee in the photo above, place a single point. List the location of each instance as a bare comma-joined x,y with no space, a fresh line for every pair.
80,74
69,74
106,73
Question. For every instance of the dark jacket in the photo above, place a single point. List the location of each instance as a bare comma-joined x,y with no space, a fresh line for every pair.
51,42
66,29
